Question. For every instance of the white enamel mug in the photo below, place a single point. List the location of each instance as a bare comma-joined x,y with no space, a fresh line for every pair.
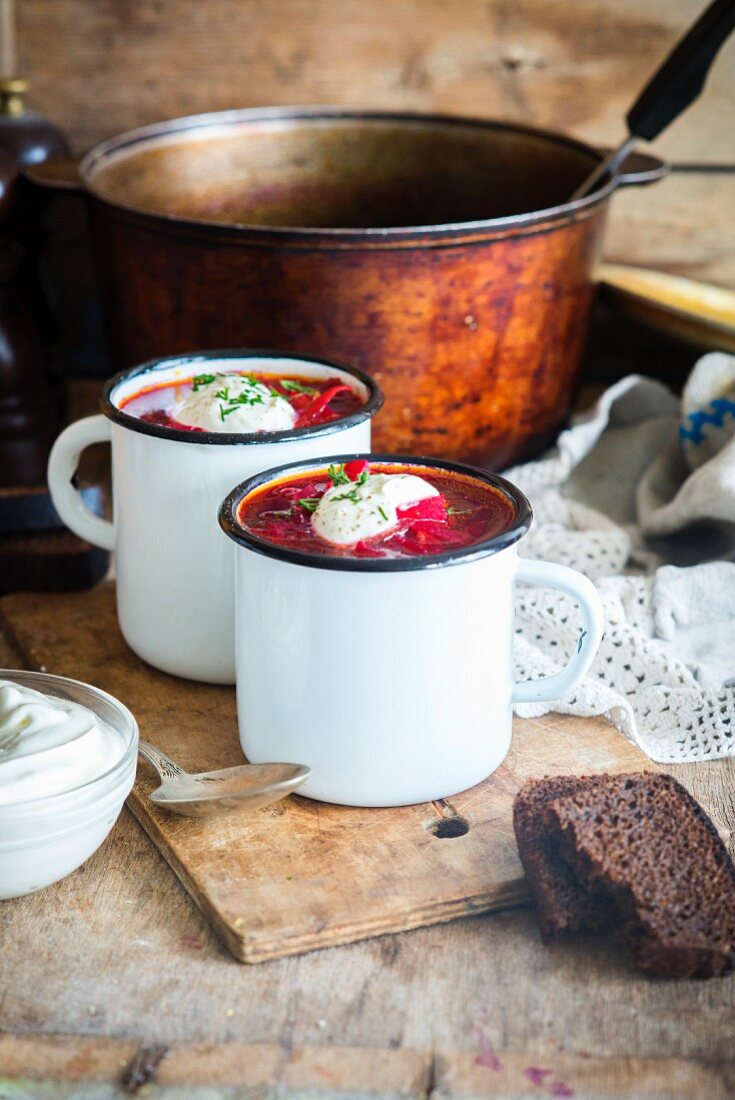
174,570
390,678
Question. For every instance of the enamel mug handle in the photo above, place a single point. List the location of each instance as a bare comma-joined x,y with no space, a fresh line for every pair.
62,466
550,575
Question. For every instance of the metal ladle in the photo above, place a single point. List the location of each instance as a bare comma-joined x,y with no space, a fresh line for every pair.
245,787
672,88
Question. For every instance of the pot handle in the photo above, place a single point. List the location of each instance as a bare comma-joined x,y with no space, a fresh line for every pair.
550,575
639,169
55,175
62,466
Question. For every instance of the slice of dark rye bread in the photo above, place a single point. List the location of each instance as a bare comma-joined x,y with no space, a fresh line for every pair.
638,854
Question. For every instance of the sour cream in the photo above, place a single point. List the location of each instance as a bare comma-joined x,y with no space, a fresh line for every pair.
234,403
49,746
348,513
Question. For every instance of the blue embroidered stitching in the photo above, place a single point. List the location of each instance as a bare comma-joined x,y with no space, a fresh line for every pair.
721,408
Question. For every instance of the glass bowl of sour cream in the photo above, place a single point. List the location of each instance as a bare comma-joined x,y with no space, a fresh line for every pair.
68,754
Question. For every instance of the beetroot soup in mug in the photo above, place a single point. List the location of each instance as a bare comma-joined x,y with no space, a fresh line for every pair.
374,604
183,430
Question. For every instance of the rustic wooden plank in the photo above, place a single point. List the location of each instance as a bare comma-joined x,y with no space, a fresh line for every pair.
514,1075
64,1058
102,66
117,949
302,874
275,1070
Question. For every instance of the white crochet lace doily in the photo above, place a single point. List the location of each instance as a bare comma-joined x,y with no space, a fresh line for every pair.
661,697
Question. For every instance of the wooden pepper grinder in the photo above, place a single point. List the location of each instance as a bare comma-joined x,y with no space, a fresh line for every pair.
29,413
36,553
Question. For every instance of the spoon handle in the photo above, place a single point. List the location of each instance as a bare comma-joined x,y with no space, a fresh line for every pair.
163,765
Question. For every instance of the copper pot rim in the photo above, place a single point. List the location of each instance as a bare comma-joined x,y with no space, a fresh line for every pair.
531,221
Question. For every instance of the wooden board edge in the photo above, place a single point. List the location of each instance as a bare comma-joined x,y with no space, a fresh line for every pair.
250,949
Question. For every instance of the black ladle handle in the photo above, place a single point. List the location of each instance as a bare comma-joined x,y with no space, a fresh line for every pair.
681,78
675,85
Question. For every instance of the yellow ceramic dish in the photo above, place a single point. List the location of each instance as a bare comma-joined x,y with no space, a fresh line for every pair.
698,313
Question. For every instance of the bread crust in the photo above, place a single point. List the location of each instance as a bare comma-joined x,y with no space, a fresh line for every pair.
637,855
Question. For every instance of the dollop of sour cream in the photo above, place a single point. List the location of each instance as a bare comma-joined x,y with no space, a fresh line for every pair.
49,746
234,403
360,510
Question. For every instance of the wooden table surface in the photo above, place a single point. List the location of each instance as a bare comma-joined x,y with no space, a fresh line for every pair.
112,975
111,982
115,963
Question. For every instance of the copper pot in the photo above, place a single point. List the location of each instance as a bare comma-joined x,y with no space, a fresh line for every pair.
439,254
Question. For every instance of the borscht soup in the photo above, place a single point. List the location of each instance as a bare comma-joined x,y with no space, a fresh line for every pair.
243,402
376,509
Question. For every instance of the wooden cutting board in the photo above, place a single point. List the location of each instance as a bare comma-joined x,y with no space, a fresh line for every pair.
301,875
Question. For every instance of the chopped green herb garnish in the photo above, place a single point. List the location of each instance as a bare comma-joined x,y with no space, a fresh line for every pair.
459,511
382,512
309,503
351,496
338,476
291,386
246,398
228,404
202,380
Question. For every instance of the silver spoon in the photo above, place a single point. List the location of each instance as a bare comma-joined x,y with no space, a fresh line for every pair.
246,787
